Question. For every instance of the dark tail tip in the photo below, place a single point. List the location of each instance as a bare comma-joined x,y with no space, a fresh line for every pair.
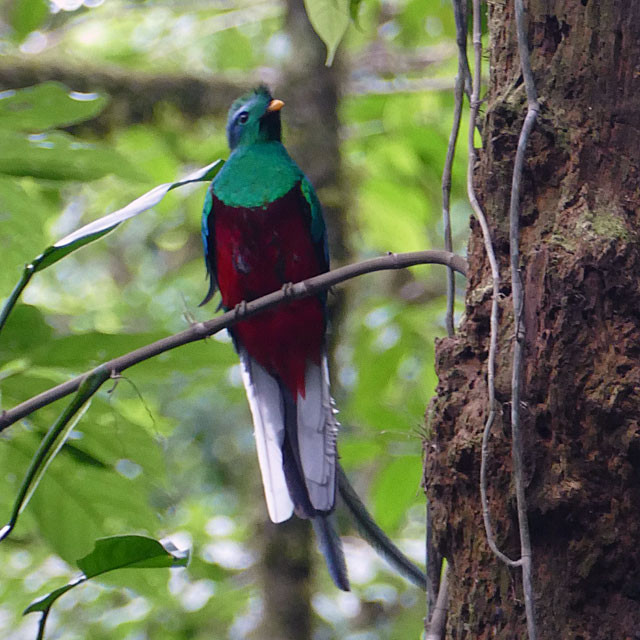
331,547
375,536
212,290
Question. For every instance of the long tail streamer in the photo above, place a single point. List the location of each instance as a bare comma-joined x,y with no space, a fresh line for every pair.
331,547
375,536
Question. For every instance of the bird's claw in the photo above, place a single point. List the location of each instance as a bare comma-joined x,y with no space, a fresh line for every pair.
240,309
287,289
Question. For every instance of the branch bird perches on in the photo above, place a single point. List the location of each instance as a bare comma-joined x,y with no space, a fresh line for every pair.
200,330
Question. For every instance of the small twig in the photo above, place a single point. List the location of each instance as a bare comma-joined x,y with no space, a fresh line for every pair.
439,618
518,304
462,83
518,299
203,329
463,71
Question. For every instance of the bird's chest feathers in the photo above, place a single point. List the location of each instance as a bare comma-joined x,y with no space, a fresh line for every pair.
256,176
259,249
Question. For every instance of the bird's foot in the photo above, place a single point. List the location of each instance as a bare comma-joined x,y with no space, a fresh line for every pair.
287,289
240,309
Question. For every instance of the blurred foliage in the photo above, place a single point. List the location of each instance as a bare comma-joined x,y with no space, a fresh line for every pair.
168,450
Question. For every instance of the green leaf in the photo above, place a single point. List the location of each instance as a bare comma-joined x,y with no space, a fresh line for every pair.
52,443
130,552
354,7
26,16
46,106
99,228
24,215
110,554
330,19
106,223
77,503
59,156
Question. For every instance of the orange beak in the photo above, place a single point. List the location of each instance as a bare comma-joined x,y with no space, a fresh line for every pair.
275,105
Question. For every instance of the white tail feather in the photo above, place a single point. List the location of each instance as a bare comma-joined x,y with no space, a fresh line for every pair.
317,433
267,409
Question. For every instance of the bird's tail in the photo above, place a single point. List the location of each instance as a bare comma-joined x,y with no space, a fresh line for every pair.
375,536
331,548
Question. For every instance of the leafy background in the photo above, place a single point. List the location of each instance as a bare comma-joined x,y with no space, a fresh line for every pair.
168,451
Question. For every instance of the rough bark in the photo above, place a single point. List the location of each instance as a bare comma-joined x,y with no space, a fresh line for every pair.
581,272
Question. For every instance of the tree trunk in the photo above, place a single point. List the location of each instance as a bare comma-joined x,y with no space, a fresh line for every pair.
581,398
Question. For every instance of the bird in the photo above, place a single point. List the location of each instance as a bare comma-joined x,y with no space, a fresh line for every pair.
263,229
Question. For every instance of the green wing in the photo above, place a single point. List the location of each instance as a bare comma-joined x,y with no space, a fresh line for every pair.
317,226
208,240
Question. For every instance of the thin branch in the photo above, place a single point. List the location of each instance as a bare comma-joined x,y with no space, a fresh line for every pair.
518,303
495,276
439,618
463,72
201,330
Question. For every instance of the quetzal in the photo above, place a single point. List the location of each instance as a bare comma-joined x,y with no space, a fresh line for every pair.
262,228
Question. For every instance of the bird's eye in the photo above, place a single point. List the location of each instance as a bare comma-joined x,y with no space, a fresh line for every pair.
243,117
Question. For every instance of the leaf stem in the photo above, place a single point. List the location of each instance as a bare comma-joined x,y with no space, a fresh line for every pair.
27,274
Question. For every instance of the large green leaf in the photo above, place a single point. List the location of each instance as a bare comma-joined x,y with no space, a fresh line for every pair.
25,16
111,554
56,155
23,218
99,228
330,19
130,552
76,502
53,441
108,222
46,106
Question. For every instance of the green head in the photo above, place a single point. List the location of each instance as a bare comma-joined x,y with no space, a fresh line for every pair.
253,118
